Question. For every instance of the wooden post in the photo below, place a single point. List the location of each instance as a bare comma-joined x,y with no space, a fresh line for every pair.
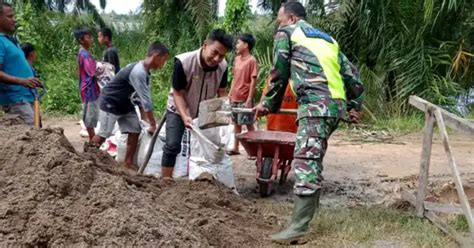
454,170
425,161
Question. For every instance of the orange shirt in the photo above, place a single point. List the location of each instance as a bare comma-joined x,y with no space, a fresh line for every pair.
244,70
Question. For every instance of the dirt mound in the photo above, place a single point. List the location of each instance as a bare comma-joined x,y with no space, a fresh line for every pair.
52,196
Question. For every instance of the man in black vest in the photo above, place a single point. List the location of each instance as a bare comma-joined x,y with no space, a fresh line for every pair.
116,104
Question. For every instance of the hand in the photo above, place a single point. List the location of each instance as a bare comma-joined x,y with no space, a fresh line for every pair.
355,116
248,104
152,129
188,121
260,110
31,82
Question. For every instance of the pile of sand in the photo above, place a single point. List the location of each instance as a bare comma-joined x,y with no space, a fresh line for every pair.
52,196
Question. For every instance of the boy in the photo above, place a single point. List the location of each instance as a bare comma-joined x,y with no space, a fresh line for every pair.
30,55
241,95
116,104
87,80
111,53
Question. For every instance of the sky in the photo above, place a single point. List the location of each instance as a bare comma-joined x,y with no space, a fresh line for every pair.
124,6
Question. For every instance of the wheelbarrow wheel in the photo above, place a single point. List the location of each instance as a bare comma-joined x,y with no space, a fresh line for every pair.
265,185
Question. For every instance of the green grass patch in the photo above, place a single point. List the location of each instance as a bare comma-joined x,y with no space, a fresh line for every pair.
376,227
366,227
412,123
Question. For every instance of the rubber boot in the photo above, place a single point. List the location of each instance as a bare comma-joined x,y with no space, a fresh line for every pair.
303,212
167,172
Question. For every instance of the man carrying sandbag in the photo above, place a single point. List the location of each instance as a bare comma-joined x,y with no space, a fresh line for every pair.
197,76
116,104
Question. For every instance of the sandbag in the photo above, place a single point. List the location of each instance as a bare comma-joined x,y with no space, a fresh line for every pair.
208,154
154,164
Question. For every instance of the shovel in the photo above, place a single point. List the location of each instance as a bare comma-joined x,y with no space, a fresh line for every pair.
151,146
36,106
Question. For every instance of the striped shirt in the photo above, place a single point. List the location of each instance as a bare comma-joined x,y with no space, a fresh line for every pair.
87,80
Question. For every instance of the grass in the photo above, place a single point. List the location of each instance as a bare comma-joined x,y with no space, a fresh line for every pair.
368,227
411,123
373,226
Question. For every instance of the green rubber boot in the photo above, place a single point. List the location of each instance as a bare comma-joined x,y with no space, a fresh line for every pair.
303,212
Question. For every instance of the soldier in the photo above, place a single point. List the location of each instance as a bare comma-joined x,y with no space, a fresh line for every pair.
327,86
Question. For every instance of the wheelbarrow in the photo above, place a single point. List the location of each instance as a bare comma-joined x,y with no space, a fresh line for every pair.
274,153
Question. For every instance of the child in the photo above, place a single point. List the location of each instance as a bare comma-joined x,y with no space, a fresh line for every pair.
88,86
30,55
111,53
241,95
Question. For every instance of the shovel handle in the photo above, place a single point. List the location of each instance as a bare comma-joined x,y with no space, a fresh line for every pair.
151,146
37,118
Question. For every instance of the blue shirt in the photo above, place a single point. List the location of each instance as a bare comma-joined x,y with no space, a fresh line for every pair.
14,64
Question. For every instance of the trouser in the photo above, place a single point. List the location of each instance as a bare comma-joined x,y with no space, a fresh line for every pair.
23,109
311,145
174,135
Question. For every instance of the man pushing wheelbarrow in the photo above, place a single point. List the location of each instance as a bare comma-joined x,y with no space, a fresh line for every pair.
327,86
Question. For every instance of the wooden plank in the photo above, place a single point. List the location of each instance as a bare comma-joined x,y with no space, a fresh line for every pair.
452,120
425,161
454,170
437,221
432,206
443,208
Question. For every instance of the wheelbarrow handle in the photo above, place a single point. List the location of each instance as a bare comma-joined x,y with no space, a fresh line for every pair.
281,111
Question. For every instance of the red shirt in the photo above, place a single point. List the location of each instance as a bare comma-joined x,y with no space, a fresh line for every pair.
244,70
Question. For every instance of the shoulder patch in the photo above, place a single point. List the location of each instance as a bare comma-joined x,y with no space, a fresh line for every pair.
311,32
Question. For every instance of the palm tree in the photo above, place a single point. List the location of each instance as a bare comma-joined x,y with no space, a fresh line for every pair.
61,6
403,47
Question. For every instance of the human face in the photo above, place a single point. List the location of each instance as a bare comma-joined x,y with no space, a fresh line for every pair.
213,52
86,41
32,57
241,47
159,61
284,19
101,38
7,20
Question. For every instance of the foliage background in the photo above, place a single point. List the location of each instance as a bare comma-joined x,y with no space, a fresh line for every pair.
405,47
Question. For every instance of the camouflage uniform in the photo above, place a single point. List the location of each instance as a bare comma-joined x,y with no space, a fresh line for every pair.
327,86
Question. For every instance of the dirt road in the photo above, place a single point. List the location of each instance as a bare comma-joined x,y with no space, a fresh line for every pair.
361,168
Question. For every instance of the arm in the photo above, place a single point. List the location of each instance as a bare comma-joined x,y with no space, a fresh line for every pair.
355,92
88,64
222,91
179,89
139,82
280,73
253,85
5,78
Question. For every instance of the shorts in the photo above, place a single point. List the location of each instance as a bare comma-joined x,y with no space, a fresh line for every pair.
128,123
90,113
241,118
23,109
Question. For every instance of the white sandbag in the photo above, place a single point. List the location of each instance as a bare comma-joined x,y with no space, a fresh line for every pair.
122,149
222,171
154,164
208,155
